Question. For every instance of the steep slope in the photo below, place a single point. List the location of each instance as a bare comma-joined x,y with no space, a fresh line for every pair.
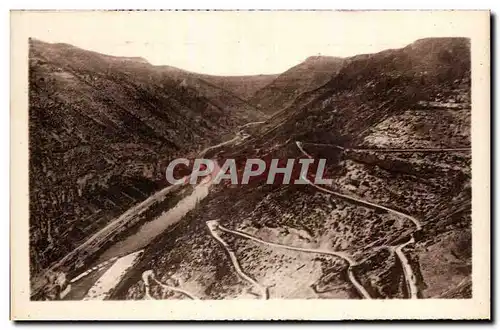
224,92
306,76
370,88
243,86
101,130
398,221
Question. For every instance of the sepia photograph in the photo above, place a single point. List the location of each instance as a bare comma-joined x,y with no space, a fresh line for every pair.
167,159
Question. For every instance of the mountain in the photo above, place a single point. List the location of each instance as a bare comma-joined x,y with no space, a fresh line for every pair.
370,88
395,221
398,220
227,92
101,129
304,77
243,86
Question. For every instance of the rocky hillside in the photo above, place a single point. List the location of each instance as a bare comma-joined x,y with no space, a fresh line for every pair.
101,129
306,76
390,211
369,89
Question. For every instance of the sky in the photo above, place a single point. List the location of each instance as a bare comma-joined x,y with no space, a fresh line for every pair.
243,43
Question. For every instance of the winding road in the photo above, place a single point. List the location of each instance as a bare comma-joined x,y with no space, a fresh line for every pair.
263,291
215,225
204,151
251,124
415,221
102,288
148,274
410,277
239,136
411,280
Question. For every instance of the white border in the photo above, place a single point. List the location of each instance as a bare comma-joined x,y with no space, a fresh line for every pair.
281,309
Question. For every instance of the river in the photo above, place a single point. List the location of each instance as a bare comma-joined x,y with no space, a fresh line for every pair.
151,229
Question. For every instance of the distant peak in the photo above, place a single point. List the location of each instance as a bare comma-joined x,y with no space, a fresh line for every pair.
433,39
135,59
440,41
319,59
65,47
